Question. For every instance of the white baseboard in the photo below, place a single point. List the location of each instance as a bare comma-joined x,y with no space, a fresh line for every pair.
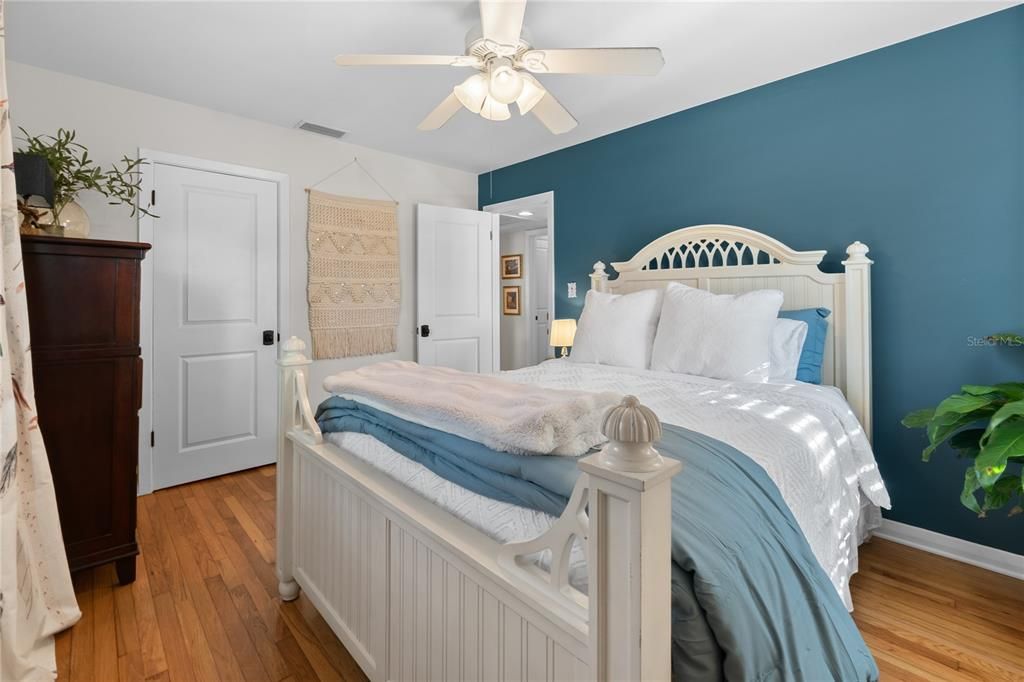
989,558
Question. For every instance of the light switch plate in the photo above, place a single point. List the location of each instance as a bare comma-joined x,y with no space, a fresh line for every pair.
572,289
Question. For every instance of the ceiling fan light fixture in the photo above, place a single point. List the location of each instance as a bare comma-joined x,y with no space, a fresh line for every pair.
505,82
502,53
472,92
532,93
493,110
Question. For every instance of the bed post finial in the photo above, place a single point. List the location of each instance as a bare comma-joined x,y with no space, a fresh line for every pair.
599,278
858,333
629,548
857,254
292,352
631,428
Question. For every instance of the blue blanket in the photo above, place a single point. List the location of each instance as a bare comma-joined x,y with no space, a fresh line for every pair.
750,601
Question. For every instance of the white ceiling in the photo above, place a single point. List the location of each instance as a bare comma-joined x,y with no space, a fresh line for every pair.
273,61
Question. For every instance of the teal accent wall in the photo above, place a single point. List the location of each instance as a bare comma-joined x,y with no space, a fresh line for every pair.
916,149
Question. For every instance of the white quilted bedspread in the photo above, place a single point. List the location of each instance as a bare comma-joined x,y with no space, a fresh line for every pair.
805,437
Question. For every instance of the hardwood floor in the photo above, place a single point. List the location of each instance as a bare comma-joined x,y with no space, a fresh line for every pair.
205,604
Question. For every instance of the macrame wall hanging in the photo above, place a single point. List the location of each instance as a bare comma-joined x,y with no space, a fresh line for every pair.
353,286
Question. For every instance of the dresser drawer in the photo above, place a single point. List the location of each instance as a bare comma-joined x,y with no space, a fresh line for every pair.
82,302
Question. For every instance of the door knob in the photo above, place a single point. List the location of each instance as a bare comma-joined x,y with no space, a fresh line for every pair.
268,337
424,330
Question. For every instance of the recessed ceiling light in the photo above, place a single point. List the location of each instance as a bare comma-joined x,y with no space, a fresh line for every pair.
525,214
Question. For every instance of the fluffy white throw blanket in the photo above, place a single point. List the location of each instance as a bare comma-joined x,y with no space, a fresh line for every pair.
501,414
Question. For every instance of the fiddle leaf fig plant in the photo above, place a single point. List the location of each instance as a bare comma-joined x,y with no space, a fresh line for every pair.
984,424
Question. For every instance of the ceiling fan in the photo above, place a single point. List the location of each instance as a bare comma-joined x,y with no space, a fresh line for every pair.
506,61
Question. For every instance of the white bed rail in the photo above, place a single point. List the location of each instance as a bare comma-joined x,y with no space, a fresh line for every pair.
414,593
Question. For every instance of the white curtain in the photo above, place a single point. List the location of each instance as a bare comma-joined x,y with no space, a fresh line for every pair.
36,597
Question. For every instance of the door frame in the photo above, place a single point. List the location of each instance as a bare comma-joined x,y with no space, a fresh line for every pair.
146,229
532,200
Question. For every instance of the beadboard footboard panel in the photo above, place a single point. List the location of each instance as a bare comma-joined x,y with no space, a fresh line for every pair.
403,603
341,556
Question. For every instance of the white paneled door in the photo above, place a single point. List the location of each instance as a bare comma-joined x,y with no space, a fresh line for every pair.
538,303
456,296
214,324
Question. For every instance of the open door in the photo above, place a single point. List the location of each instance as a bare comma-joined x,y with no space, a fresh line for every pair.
456,295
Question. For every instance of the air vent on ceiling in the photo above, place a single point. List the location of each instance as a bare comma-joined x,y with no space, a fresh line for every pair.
320,130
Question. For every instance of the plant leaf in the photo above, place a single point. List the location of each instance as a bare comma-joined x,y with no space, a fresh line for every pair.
1005,442
973,389
971,485
964,403
967,442
941,428
1013,390
999,494
1007,411
918,418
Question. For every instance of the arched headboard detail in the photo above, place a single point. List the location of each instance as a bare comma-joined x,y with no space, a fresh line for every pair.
727,259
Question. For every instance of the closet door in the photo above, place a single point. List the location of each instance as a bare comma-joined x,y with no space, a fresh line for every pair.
214,324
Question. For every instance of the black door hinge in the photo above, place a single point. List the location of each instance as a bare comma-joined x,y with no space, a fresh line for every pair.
152,197
152,439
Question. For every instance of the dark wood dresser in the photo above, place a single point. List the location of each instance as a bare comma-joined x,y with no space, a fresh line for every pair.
83,306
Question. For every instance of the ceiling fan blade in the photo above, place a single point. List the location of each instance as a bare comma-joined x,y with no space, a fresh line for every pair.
439,116
502,22
404,60
553,115
640,61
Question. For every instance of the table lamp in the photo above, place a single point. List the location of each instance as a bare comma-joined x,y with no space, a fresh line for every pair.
562,334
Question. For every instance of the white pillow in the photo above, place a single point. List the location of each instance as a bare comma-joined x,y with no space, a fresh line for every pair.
617,330
788,338
716,335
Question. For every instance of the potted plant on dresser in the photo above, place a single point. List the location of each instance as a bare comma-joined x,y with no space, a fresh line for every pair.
73,172
985,425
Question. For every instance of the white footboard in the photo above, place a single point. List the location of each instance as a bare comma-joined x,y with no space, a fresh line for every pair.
415,594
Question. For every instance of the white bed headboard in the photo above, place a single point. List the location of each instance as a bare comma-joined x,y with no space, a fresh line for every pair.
726,259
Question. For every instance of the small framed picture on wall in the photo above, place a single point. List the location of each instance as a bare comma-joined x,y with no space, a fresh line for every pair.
510,301
512,266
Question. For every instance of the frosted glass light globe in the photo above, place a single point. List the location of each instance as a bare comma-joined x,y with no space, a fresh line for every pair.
493,110
532,93
505,83
472,92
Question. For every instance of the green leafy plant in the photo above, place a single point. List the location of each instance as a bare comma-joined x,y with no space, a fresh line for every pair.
73,171
984,424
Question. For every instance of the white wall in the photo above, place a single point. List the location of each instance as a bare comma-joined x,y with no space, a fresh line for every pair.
113,122
514,328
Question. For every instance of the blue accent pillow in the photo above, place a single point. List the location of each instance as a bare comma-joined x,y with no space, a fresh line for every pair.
813,354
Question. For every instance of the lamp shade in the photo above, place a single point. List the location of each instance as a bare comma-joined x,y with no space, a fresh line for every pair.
563,332
33,177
